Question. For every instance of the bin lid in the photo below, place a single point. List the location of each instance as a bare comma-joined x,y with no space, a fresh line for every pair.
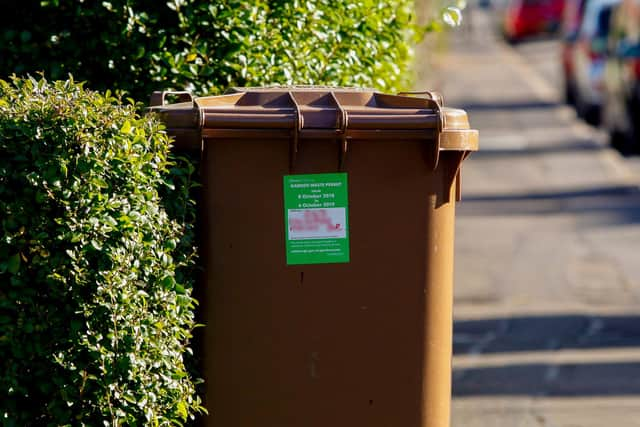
315,112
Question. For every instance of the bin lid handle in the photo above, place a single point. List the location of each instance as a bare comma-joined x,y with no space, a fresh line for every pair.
158,98
434,96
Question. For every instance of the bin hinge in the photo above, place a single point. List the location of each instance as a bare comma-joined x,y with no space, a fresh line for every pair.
295,133
343,124
436,102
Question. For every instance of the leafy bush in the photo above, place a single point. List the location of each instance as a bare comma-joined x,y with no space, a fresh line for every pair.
146,45
96,310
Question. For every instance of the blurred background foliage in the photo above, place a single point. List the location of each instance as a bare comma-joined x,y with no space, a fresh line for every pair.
207,46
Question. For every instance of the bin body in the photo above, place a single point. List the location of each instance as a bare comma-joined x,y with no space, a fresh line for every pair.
360,343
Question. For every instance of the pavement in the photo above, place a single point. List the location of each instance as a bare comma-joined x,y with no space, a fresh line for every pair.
547,297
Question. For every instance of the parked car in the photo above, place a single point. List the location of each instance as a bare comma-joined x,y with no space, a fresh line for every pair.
526,18
621,111
571,19
589,58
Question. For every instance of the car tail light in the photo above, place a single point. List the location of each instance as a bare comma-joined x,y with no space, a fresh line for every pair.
594,55
567,60
636,68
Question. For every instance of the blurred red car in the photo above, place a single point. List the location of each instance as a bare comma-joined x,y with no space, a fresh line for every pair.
526,18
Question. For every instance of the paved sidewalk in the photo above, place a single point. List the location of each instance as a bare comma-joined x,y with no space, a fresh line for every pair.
547,309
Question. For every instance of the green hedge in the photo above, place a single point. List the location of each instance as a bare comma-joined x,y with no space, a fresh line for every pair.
96,310
207,46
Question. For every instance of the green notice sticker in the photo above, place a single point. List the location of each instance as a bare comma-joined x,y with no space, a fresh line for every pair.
316,217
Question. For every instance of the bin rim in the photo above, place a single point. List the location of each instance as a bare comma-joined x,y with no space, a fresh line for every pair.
308,110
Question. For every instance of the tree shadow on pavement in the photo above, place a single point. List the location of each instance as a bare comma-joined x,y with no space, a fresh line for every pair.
593,206
540,336
541,150
509,105
543,333
588,379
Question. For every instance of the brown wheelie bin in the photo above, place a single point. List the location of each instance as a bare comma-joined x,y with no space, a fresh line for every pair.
328,229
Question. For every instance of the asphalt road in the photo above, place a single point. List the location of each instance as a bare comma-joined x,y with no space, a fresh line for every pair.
547,298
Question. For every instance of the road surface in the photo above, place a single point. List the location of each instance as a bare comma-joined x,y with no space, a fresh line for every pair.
547,298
